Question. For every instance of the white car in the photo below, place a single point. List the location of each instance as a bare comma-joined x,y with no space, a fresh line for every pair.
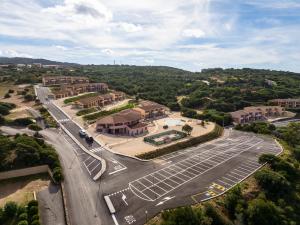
82,133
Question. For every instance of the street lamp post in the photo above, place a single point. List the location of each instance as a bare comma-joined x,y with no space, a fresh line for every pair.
146,214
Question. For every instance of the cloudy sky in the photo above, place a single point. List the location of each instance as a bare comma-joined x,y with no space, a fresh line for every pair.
189,34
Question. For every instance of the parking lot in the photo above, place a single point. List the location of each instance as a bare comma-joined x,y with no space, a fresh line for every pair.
193,175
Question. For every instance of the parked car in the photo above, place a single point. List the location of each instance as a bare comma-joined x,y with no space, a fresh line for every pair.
82,133
89,139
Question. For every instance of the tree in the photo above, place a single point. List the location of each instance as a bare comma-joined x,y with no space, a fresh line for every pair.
232,199
185,216
187,129
10,209
218,218
262,212
272,182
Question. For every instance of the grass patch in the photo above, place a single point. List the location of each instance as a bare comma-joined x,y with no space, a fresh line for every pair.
4,87
94,116
76,98
86,111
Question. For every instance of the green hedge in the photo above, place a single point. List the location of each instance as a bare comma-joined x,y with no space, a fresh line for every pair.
76,98
217,132
86,111
103,113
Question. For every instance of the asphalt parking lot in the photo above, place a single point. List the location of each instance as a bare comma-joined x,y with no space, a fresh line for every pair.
191,176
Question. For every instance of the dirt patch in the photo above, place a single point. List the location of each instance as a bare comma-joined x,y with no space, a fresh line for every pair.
21,189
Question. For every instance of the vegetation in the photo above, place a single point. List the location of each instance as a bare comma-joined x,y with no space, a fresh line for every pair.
257,127
23,151
97,115
34,127
13,214
187,129
49,120
6,107
217,132
86,111
76,98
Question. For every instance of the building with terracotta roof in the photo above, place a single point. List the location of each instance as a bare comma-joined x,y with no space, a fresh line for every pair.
99,100
151,110
288,103
58,80
75,89
126,122
257,113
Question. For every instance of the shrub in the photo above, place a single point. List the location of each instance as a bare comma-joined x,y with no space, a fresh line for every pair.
32,203
35,222
11,91
7,95
34,127
35,217
57,174
1,216
29,97
21,209
23,222
23,216
86,111
10,209
22,122
33,210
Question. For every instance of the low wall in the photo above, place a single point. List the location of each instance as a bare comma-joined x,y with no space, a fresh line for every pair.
24,172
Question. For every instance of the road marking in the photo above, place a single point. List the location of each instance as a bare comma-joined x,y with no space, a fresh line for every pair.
176,174
164,200
114,219
124,199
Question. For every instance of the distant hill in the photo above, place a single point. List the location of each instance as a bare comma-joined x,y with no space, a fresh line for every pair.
19,60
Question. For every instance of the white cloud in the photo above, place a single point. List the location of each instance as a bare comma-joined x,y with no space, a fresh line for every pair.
107,51
130,27
194,33
60,47
13,53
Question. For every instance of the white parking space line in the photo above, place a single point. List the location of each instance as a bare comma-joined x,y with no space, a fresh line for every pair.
178,173
236,174
241,168
94,168
233,182
91,163
247,167
240,171
225,183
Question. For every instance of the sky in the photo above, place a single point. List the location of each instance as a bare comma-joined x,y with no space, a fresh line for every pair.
188,34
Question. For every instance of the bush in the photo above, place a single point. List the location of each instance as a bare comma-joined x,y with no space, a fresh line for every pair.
57,174
35,222
7,95
23,222
35,217
34,127
1,216
29,97
32,203
10,209
33,210
22,122
86,111
23,216
11,91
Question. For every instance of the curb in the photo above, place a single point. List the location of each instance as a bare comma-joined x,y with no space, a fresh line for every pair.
103,162
64,198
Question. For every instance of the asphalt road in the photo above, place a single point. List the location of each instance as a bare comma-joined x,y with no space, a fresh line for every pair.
139,190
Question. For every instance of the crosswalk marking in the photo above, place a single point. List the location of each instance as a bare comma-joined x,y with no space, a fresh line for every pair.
63,120
96,150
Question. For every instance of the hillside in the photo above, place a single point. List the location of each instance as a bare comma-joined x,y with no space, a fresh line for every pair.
19,60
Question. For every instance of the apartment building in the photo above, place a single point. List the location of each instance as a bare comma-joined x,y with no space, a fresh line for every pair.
288,103
75,89
59,80
126,122
100,100
151,110
257,113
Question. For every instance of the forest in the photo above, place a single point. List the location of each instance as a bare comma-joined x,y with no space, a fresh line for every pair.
213,92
